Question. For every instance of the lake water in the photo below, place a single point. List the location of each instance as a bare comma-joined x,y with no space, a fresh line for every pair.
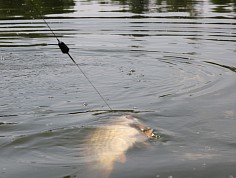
170,63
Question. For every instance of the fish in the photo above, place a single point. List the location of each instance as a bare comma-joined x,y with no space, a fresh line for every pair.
109,143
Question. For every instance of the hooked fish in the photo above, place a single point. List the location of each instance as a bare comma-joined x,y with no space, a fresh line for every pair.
109,144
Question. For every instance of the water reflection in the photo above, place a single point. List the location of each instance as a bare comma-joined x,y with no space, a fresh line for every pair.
225,6
136,6
24,8
160,6
143,6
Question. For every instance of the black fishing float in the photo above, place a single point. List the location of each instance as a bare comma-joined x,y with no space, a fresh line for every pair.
65,50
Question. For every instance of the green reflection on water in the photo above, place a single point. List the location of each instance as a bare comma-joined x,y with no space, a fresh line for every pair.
136,6
224,6
160,6
12,9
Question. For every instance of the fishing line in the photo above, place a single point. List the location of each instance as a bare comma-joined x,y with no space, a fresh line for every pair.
65,50
44,20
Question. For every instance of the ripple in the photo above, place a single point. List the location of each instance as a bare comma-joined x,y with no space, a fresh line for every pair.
231,68
7,115
192,78
100,112
173,62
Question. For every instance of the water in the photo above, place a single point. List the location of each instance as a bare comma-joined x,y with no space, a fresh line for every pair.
171,62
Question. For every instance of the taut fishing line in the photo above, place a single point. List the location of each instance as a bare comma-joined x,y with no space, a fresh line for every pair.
65,50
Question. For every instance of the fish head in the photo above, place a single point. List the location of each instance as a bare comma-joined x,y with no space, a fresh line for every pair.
148,132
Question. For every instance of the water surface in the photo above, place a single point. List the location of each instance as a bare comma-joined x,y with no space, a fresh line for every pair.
172,62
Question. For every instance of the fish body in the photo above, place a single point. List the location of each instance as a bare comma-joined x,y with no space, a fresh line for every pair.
108,144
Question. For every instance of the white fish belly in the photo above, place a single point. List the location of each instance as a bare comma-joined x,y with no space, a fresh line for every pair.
109,144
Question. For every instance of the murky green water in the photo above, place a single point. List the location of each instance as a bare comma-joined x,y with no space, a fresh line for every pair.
172,62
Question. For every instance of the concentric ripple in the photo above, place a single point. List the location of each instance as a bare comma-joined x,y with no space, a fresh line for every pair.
171,63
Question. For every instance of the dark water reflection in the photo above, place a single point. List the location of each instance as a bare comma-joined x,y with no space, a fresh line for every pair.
23,9
170,63
161,6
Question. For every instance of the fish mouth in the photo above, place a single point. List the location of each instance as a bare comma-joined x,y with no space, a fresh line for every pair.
150,133
146,131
